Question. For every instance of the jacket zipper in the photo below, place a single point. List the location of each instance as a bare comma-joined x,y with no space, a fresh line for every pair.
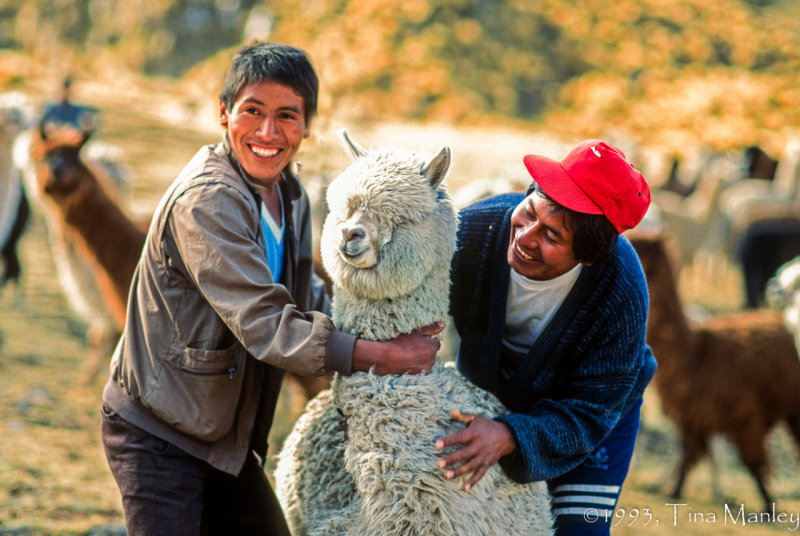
229,371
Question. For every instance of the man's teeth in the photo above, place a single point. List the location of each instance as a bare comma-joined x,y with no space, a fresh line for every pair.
524,255
265,153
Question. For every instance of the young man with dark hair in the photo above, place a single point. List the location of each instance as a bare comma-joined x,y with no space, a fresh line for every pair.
551,306
223,301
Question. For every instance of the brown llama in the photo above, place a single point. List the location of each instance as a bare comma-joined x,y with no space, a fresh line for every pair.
105,236
74,270
735,375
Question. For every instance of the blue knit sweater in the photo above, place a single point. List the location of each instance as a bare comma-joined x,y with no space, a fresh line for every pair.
587,368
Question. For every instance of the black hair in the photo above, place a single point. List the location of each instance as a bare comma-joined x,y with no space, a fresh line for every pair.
594,239
264,62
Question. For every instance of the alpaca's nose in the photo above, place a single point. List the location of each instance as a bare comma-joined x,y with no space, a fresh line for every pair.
354,241
353,233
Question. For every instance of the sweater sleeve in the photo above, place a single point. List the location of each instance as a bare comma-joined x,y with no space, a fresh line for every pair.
557,435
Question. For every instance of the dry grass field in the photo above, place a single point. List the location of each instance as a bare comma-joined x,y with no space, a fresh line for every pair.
53,475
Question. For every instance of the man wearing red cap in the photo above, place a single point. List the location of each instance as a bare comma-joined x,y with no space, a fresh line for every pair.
551,305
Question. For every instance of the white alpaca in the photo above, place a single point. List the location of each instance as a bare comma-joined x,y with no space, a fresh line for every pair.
783,293
361,460
15,113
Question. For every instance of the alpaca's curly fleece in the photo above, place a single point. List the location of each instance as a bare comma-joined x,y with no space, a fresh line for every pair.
393,459
306,481
393,423
381,478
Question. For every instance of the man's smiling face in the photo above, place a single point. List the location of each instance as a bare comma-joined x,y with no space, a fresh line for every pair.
540,245
266,127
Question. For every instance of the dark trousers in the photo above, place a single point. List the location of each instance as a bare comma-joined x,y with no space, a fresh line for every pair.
165,491
584,499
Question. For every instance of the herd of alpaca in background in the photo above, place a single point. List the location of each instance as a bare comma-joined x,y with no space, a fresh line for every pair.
739,207
742,208
732,375
735,375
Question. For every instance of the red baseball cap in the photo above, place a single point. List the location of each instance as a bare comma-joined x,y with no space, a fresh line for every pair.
594,178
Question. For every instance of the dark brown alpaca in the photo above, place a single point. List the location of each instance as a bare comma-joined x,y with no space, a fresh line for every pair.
104,234
735,375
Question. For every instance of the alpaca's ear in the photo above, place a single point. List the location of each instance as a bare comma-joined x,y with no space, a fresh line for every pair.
355,149
436,169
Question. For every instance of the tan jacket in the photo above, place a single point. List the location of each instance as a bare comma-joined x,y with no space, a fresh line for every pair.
209,333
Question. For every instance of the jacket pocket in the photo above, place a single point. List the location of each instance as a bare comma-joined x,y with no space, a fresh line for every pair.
198,393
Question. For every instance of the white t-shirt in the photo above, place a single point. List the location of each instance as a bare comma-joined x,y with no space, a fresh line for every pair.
531,304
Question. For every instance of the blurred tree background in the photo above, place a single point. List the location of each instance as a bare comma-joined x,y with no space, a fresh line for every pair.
671,73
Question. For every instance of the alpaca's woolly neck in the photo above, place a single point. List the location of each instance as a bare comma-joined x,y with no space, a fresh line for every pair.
387,318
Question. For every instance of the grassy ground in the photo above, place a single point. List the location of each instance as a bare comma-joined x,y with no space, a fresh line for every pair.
53,476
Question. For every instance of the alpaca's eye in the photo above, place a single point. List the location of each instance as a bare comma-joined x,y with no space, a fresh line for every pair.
352,206
401,222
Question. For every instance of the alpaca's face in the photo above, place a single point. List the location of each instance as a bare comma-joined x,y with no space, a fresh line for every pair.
361,240
388,226
783,290
59,168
